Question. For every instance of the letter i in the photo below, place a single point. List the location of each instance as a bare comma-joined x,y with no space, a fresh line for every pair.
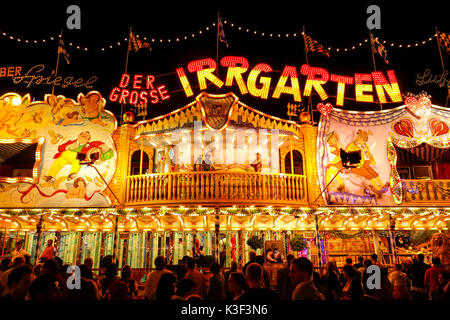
184,82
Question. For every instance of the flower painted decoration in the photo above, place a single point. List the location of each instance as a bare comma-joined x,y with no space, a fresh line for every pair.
404,127
437,127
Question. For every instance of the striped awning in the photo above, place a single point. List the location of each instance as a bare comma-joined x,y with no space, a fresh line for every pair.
423,154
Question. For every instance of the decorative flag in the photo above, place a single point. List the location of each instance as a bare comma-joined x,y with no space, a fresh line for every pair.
380,49
137,44
313,46
444,41
221,32
62,49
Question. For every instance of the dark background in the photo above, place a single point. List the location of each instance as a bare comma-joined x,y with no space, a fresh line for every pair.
339,24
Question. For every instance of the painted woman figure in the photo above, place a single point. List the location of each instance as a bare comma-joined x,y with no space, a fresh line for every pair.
79,189
364,168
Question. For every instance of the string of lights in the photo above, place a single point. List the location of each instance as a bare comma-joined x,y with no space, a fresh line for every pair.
206,29
330,48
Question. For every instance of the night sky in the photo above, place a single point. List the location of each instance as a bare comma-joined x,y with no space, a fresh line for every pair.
337,24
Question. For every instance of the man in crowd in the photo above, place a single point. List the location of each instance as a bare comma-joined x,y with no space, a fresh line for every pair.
252,257
431,278
301,271
19,251
200,280
417,275
153,277
255,291
19,281
49,251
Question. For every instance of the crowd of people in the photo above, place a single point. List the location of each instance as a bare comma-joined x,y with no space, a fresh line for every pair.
297,279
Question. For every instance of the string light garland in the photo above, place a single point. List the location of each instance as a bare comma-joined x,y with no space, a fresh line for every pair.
205,30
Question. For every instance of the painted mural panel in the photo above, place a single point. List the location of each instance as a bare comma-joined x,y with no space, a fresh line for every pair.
73,139
374,180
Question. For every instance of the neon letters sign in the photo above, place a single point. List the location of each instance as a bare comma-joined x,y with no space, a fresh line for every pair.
258,82
143,90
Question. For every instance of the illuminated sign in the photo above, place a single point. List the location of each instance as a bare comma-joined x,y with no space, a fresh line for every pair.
366,85
33,77
11,71
138,89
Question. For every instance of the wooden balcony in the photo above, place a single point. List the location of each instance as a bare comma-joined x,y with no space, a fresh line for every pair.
426,191
216,188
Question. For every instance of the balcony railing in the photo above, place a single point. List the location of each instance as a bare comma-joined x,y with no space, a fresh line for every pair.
216,187
426,191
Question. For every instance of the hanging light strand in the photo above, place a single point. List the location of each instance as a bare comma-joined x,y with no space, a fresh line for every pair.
155,41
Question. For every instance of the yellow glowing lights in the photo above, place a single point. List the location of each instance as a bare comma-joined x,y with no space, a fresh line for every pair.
316,77
288,72
184,82
207,73
381,85
262,92
342,81
361,88
236,67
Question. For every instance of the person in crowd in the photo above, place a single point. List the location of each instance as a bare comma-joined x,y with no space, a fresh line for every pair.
444,286
123,288
260,260
360,263
50,267
19,282
87,291
399,281
59,262
185,288
5,265
216,289
387,289
301,272
19,251
200,280
348,261
284,283
196,252
330,282
45,287
110,277
252,258
49,251
233,268
431,278
316,277
364,277
89,263
255,291
151,283
236,285
270,255
166,287
18,261
374,258
352,290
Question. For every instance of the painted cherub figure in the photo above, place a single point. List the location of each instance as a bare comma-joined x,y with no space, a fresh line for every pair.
92,106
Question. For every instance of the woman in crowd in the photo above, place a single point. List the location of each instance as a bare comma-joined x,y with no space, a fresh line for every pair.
352,289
